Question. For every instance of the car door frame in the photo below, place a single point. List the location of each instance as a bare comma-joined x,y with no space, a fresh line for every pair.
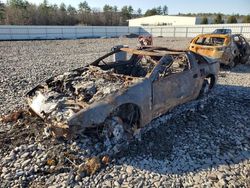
174,80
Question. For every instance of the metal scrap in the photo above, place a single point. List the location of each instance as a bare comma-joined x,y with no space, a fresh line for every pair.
13,116
105,160
90,166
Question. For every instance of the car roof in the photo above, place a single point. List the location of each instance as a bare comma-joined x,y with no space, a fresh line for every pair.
153,51
214,35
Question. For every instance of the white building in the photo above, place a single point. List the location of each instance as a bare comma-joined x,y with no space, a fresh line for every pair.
161,20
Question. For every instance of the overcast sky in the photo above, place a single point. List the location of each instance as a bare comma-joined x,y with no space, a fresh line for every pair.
175,6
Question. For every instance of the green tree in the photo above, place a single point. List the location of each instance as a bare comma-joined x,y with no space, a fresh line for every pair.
232,19
204,20
218,19
108,14
2,12
107,8
115,8
139,12
165,10
151,12
159,10
116,16
84,7
16,12
71,10
62,7
130,10
72,15
18,3
246,19
127,11
84,13
63,17
44,10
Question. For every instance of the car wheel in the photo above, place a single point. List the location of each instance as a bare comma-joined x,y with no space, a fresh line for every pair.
205,87
244,59
115,135
232,62
120,127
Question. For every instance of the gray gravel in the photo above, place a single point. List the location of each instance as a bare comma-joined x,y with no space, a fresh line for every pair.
205,143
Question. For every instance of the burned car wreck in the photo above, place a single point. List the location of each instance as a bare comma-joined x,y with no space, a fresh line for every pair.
122,91
230,49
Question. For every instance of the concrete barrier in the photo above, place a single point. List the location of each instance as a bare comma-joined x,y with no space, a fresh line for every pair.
24,32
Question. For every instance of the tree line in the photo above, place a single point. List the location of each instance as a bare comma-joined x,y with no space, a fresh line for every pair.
229,19
21,12
218,18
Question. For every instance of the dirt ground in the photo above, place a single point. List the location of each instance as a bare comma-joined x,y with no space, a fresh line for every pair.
204,143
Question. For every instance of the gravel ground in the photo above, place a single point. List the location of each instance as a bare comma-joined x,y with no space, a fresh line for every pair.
204,143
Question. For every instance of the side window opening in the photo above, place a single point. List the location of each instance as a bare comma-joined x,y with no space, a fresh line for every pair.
239,42
210,41
128,64
217,41
179,63
236,38
200,40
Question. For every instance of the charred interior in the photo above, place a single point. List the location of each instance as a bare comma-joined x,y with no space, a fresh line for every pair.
210,41
136,66
142,63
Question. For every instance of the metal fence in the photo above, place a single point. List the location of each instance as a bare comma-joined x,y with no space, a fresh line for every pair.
8,32
62,32
192,31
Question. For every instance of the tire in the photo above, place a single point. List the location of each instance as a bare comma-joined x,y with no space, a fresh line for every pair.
115,136
207,85
119,128
244,59
232,63
205,88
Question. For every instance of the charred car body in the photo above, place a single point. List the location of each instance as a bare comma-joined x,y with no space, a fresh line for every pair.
222,31
120,94
229,49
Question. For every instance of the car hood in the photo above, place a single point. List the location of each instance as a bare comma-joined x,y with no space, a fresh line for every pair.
60,97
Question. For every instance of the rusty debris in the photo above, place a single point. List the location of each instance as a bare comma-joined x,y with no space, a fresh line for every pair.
59,130
51,162
121,92
90,166
93,164
229,49
145,40
14,116
105,160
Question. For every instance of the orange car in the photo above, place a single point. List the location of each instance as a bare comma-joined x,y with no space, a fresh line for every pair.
229,49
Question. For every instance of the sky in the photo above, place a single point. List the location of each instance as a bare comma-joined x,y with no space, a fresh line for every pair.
174,6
